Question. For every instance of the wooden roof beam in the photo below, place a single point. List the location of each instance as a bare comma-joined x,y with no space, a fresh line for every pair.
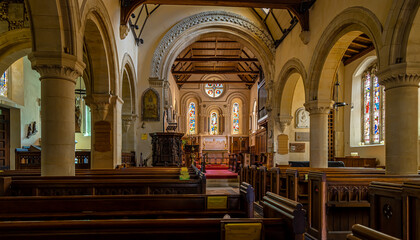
216,59
215,72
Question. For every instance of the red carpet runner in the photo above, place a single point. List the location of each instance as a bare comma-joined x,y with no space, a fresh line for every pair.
220,174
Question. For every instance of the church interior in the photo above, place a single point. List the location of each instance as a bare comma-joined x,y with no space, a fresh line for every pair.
156,119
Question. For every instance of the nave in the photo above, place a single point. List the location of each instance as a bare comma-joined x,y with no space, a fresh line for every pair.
274,119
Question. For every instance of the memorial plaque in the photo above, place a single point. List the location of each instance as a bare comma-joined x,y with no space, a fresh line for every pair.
302,136
283,144
102,136
297,147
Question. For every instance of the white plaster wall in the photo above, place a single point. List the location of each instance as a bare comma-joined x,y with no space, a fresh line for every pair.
31,111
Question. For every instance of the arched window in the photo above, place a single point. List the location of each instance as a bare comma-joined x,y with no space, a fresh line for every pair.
214,123
373,112
4,79
191,118
235,118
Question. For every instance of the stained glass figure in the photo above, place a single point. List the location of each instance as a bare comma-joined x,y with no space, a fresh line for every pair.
213,124
214,90
373,108
235,112
191,118
3,84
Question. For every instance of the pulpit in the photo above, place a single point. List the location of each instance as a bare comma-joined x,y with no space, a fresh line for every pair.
167,149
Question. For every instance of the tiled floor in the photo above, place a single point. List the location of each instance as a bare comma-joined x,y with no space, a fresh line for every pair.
222,190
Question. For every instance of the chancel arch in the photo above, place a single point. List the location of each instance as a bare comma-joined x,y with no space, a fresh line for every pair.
223,23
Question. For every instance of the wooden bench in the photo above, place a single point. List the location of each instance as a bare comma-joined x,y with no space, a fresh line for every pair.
285,223
337,202
350,161
360,232
41,186
124,229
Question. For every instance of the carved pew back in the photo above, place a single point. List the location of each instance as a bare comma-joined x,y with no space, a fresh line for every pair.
339,201
395,209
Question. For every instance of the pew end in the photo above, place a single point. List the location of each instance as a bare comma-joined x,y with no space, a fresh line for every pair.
360,232
275,206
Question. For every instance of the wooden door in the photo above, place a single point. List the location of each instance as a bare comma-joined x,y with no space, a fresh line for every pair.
4,138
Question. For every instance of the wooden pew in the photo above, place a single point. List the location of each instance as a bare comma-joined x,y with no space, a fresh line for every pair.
350,161
337,202
286,223
297,180
292,211
360,232
127,206
156,229
395,209
102,186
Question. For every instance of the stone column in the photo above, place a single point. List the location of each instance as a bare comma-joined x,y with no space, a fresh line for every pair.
401,118
58,80
318,112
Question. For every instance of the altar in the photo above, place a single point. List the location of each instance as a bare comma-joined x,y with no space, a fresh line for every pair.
216,148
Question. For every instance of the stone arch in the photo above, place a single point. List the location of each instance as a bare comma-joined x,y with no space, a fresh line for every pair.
14,45
58,33
220,115
331,47
96,30
191,28
291,72
402,22
128,82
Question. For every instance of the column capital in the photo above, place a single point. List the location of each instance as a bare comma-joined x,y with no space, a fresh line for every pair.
101,102
127,121
321,106
400,75
156,82
57,65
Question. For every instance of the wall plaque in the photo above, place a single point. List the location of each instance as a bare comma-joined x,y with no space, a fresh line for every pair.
302,118
283,144
302,136
297,147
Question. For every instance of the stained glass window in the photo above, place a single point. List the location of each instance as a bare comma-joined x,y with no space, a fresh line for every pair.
3,84
373,108
214,89
213,123
191,118
235,112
